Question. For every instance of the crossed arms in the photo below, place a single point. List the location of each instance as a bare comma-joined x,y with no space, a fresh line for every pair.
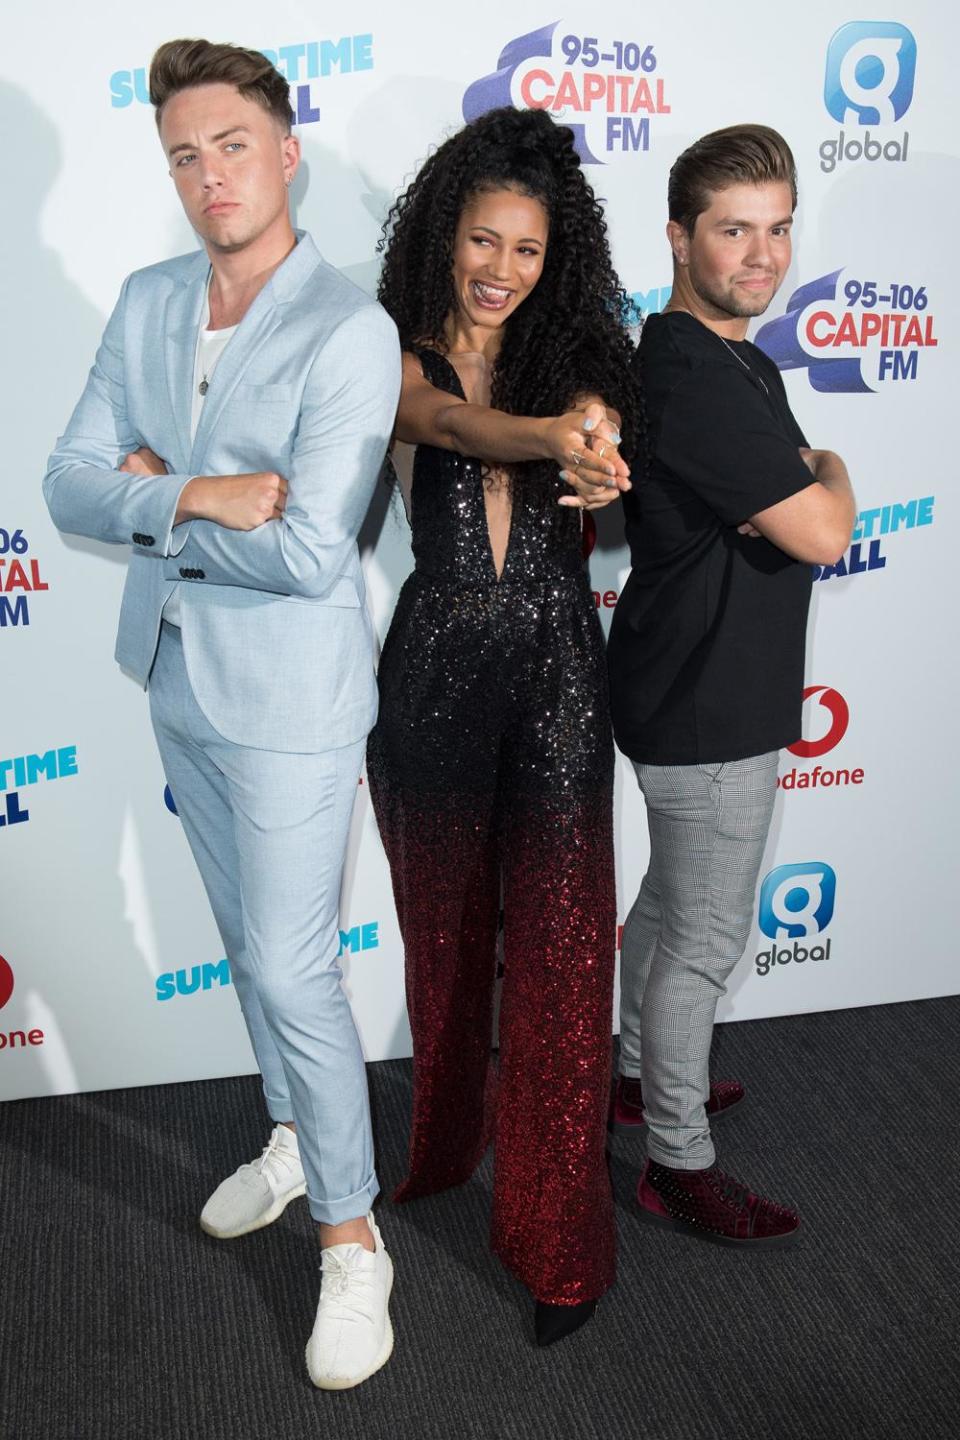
288,535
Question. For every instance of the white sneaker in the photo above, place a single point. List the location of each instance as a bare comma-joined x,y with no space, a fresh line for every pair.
258,1193
352,1335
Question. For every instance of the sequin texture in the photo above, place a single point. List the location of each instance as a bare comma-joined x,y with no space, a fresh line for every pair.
491,774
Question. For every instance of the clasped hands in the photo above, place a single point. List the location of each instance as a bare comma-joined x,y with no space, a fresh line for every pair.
237,502
584,443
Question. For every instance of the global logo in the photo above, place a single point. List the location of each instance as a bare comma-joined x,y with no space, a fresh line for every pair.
796,902
606,90
869,333
6,982
871,66
838,714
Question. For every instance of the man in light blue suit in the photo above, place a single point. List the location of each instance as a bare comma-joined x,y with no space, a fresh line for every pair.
231,433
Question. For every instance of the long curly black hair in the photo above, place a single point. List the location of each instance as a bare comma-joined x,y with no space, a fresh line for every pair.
570,336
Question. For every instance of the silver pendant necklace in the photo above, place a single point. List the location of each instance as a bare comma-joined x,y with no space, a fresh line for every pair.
749,369
739,358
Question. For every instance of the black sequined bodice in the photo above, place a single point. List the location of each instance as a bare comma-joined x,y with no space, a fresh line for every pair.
450,537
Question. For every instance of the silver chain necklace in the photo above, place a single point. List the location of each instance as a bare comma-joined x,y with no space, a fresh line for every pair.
739,358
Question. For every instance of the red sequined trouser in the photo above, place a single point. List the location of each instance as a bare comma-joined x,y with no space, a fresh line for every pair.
492,766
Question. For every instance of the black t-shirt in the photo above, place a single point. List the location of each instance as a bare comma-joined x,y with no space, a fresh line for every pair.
707,645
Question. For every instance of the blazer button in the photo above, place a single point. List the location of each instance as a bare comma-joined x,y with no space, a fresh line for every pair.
199,575
146,540
184,574
135,538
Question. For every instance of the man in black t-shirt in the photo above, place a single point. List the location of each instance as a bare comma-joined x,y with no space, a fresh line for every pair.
706,656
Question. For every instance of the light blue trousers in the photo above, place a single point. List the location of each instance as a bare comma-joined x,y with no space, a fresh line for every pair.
268,831
685,933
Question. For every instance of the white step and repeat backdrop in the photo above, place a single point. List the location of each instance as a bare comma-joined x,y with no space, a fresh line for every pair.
112,972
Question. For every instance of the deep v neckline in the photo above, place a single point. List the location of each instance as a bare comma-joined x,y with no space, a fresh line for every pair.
461,394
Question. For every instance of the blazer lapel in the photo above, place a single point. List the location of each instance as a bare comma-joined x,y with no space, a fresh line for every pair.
181,319
260,321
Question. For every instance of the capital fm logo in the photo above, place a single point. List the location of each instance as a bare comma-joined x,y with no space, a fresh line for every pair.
797,903
870,72
20,573
868,335
608,91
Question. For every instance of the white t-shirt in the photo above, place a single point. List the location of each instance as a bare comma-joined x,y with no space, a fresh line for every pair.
210,346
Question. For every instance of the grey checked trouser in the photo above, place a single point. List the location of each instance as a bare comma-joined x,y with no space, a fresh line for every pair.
685,933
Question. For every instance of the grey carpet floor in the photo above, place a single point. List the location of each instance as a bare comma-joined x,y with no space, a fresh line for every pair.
120,1320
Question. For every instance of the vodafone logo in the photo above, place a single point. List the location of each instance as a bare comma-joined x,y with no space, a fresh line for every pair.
829,716
14,1039
605,599
831,710
588,535
6,982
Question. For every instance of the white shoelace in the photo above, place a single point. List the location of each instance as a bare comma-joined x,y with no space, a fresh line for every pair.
273,1154
347,1293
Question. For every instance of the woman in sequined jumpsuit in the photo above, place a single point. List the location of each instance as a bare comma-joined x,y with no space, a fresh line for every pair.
491,765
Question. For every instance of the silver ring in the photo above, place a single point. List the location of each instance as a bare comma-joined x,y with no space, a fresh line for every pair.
577,457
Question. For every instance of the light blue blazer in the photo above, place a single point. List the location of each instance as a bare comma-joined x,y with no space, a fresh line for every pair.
276,636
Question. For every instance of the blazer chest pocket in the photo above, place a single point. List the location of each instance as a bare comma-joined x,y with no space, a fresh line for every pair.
255,428
248,394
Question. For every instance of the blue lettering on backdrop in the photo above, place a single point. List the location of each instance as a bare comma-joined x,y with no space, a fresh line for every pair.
865,552
188,982
298,64
13,612
51,764
23,770
361,937
651,302
127,86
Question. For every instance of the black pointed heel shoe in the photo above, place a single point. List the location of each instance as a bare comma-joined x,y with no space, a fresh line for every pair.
554,1322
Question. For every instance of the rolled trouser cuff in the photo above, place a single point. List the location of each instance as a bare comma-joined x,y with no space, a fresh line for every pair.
351,1207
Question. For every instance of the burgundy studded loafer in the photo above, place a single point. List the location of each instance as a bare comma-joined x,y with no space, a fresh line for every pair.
712,1205
626,1107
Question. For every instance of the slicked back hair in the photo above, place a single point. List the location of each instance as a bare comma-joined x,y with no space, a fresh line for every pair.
738,155
182,64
